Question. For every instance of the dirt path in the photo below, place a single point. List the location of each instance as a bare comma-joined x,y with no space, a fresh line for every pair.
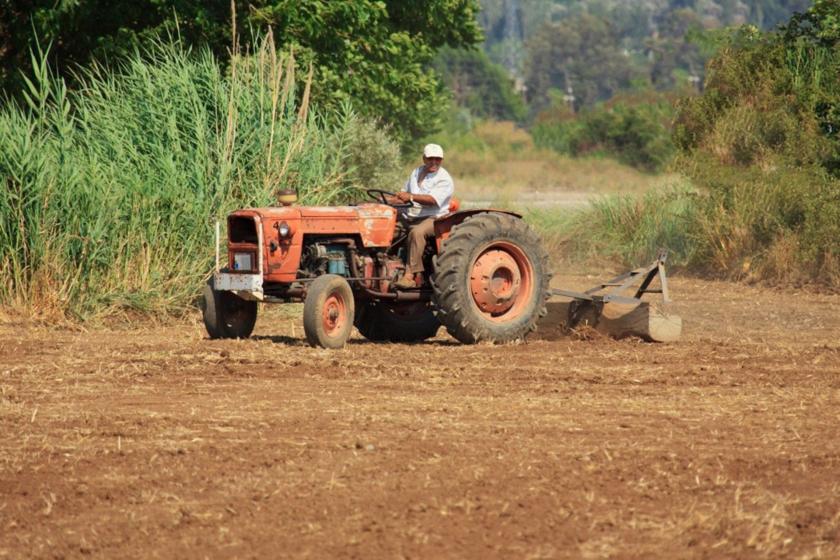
160,443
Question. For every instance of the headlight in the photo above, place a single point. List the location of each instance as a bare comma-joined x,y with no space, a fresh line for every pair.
284,230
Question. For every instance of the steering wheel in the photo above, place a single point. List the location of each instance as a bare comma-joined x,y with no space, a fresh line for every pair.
380,196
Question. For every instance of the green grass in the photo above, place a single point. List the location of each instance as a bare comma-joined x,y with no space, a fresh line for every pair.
754,234
624,229
110,192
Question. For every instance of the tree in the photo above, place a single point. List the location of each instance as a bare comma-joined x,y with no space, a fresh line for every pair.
580,53
651,32
481,86
820,24
673,51
374,53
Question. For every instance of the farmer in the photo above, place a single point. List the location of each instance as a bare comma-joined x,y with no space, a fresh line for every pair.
428,191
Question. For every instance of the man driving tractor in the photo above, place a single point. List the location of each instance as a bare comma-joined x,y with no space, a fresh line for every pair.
487,281
428,192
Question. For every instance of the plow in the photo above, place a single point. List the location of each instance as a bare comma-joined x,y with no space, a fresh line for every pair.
618,308
486,278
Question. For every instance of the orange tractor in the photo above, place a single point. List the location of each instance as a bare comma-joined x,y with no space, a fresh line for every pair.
486,274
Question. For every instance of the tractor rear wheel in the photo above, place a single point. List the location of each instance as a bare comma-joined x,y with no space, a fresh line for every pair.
491,279
328,312
396,322
227,315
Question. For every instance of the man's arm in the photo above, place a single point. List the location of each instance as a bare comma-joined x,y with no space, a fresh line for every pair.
441,192
401,196
421,199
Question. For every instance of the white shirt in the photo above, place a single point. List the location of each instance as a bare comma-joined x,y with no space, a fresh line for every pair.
438,184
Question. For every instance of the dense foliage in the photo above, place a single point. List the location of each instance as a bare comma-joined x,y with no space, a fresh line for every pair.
373,53
598,47
761,147
109,191
764,138
633,128
479,85
580,55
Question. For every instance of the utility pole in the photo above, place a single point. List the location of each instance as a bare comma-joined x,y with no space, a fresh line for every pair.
569,97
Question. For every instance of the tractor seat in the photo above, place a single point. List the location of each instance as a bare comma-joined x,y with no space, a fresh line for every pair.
454,204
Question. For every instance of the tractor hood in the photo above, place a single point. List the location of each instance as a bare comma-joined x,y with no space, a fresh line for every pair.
275,235
372,223
362,211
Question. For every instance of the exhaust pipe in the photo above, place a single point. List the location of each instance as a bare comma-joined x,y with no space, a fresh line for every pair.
217,245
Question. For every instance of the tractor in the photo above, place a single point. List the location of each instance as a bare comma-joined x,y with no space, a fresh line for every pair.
486,273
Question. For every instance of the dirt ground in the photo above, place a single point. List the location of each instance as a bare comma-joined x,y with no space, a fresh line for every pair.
156,442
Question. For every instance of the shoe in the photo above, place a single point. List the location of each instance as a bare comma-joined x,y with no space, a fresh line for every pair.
406,282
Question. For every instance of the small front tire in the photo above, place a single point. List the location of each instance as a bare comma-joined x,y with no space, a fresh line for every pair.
226,315
328,312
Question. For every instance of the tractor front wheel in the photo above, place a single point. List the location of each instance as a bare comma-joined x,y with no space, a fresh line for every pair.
227,315
328,312
491,279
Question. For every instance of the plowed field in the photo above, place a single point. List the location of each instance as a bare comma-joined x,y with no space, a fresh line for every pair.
153,441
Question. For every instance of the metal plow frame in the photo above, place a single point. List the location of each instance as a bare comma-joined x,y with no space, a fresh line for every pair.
628,315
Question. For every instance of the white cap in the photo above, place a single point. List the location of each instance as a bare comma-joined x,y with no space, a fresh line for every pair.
433,150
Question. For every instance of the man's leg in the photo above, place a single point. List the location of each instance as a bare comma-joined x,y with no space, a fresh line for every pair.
418,235
417,239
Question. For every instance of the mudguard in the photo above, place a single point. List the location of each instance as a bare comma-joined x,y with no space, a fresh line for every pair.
444,224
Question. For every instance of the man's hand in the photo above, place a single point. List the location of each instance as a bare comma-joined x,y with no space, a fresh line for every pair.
399,198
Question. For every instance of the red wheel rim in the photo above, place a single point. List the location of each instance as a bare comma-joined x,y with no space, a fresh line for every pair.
334,314
501,281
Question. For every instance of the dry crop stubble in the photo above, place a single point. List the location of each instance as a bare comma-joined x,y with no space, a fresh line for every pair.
155,441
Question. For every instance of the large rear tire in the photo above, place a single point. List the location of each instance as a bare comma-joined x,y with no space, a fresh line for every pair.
328,312
491,279
396,322
226,315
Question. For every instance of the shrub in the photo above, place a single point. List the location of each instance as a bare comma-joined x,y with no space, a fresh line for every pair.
763,142
625,228
633,129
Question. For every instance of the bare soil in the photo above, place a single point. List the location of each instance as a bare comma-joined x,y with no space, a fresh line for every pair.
154,441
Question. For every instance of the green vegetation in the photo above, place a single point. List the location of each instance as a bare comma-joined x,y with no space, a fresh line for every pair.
635,129
598,46
483,88
761,145
763,139
580,55
372,53
625,228
600,76
114,171
110,191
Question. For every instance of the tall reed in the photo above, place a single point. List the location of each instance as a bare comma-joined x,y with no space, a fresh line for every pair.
109,192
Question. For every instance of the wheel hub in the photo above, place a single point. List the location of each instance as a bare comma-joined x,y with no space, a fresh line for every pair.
333,316
495,281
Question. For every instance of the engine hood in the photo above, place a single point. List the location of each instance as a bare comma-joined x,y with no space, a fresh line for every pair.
362,211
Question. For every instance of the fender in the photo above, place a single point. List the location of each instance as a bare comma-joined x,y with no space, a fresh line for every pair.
444,224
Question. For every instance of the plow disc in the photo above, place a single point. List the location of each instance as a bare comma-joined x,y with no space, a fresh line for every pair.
616,308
